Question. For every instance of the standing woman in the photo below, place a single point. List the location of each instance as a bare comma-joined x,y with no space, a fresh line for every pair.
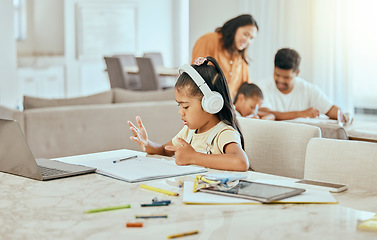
228,45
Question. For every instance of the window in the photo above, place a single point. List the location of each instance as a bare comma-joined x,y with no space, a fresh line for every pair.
19,19
364,40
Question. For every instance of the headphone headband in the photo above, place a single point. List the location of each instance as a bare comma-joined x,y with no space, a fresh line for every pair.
195,76
212,101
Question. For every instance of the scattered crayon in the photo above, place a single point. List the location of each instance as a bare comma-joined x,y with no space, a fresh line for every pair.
134,224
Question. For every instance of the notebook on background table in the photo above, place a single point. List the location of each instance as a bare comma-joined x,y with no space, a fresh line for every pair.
16,157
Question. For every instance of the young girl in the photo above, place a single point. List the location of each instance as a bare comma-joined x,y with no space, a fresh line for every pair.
211,135
247,101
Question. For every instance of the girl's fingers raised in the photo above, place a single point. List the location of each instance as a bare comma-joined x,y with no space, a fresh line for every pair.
139,122
134,131
137,140
131,124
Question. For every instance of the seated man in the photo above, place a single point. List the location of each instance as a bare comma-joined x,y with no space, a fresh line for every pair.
288,96
247,101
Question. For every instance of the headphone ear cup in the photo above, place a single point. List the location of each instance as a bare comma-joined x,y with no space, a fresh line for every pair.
213,103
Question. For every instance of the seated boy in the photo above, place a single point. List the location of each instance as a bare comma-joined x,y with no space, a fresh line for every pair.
247,101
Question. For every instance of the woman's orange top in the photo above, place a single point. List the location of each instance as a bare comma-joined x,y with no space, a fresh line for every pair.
234,67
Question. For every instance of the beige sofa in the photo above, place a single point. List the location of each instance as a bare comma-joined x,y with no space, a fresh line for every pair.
65,127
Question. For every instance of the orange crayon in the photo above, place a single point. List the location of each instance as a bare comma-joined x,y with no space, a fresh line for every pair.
134,224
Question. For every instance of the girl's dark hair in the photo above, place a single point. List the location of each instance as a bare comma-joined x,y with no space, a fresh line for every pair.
215,79
228,31
249,90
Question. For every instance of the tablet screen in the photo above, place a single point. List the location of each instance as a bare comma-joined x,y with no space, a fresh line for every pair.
257,191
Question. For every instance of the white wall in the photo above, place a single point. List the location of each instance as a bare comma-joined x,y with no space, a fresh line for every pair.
8,80
206,16
181,32
274,33
48,27
52,32
156,28
45,29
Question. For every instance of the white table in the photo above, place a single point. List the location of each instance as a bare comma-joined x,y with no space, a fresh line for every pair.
163,71
168,76
54,210
360,130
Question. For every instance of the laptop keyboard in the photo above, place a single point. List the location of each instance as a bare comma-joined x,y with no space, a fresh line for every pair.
45,171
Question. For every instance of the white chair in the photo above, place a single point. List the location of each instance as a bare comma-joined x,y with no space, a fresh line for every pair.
341,161
277,148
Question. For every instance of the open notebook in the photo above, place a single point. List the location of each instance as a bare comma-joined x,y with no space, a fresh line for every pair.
135,169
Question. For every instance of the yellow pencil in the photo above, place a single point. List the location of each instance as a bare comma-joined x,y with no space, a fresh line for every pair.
183,234
159,190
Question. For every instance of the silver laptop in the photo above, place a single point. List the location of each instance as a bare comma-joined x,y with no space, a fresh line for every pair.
17,158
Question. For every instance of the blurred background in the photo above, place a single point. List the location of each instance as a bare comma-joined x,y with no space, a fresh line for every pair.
56,48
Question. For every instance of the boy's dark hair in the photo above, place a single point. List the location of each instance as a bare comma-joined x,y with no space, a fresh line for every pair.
215,79
228,31
249,90
287,58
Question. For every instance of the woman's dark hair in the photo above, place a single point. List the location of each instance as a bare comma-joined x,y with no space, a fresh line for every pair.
249,90
287,58
228,31
215,79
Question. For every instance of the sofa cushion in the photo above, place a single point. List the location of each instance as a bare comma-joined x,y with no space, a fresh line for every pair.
123,95
67,131
99,98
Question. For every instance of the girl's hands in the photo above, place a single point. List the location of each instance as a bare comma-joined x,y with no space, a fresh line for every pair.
140,135
184,152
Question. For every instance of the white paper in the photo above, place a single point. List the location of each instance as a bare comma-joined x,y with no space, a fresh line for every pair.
137,169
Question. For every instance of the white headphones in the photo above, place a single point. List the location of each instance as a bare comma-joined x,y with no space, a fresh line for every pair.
212,101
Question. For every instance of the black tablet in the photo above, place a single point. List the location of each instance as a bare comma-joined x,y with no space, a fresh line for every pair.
261,192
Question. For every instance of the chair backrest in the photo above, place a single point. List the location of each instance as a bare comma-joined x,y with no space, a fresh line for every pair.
156,58
148,77
277,148
117,76
129,60
342,161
